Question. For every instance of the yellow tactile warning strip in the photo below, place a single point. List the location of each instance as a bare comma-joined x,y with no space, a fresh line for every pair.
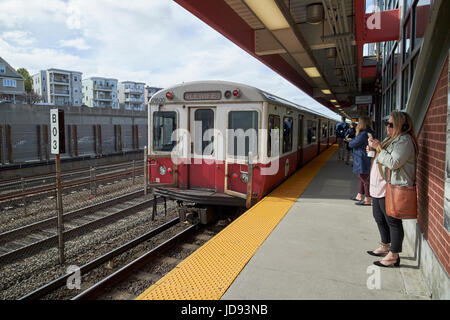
208,272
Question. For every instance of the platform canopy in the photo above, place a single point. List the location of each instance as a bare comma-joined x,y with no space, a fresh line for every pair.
316,45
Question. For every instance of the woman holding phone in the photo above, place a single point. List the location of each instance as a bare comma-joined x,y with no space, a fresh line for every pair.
395,158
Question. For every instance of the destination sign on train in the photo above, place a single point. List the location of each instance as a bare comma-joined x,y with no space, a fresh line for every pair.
203,95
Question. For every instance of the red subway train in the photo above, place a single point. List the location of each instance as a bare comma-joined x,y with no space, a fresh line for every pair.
228,144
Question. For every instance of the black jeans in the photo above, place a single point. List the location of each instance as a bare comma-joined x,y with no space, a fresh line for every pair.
391,229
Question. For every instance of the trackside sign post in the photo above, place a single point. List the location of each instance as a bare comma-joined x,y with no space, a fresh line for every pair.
58,147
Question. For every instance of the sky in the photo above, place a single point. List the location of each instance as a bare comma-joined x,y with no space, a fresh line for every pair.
152,41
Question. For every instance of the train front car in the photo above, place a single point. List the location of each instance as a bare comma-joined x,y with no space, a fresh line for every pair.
200,135
216,143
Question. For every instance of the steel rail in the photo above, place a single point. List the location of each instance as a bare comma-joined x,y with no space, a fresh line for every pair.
59,282
125,271
70,234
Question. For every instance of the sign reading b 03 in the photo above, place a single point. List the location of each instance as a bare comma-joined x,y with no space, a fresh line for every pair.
57,133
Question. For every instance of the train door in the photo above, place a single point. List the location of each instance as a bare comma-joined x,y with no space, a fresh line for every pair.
241,140
319,136
328,134
202,166
300,139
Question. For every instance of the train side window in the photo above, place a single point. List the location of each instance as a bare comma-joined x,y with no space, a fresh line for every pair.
311,133
288,127
324,130
242,133
164,124
300,131
274,123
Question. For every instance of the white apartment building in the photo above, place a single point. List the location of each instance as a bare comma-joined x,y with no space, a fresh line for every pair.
149,92
100,93
60,87
131,95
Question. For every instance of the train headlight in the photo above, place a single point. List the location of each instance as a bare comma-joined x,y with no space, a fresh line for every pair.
244,177
162,170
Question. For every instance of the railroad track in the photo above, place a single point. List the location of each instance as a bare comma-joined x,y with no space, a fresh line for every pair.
149,268
61,281
32,238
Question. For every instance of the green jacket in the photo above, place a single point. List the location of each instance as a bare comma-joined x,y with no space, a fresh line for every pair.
400,157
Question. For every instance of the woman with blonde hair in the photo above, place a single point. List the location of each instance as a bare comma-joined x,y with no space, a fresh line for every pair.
361,162
396,158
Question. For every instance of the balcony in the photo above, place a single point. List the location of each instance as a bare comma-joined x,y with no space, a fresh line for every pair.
103,87
134,91
103,98
59,80
134,100
60,92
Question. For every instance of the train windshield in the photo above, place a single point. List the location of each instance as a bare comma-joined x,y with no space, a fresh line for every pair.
164,123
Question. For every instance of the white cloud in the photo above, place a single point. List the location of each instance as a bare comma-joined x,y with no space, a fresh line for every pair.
78,43
156,42
21,38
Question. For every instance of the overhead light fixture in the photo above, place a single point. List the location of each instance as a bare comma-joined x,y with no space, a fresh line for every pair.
269,14
312,72
333,101
326,91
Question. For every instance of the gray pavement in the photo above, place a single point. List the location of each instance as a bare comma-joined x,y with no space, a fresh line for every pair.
318,251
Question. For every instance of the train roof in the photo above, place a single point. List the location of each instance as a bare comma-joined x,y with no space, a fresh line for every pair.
210,91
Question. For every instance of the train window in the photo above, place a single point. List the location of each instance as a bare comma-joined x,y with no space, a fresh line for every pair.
300,131
274,123
164,123
311,133
324,130
206,118
242,126
288,128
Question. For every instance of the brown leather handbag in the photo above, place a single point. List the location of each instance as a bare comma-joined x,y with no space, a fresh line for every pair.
401,201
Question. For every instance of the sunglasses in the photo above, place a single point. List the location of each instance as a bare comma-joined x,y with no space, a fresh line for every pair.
390,124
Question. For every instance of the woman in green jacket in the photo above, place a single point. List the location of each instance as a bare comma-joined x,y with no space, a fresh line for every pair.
397,153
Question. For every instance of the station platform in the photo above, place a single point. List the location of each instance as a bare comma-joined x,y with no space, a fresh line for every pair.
305,240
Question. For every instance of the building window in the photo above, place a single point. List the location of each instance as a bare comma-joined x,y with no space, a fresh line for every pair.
2,68
9,83
413,26
75,78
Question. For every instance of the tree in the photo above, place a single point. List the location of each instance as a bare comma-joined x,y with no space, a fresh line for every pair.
26,76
